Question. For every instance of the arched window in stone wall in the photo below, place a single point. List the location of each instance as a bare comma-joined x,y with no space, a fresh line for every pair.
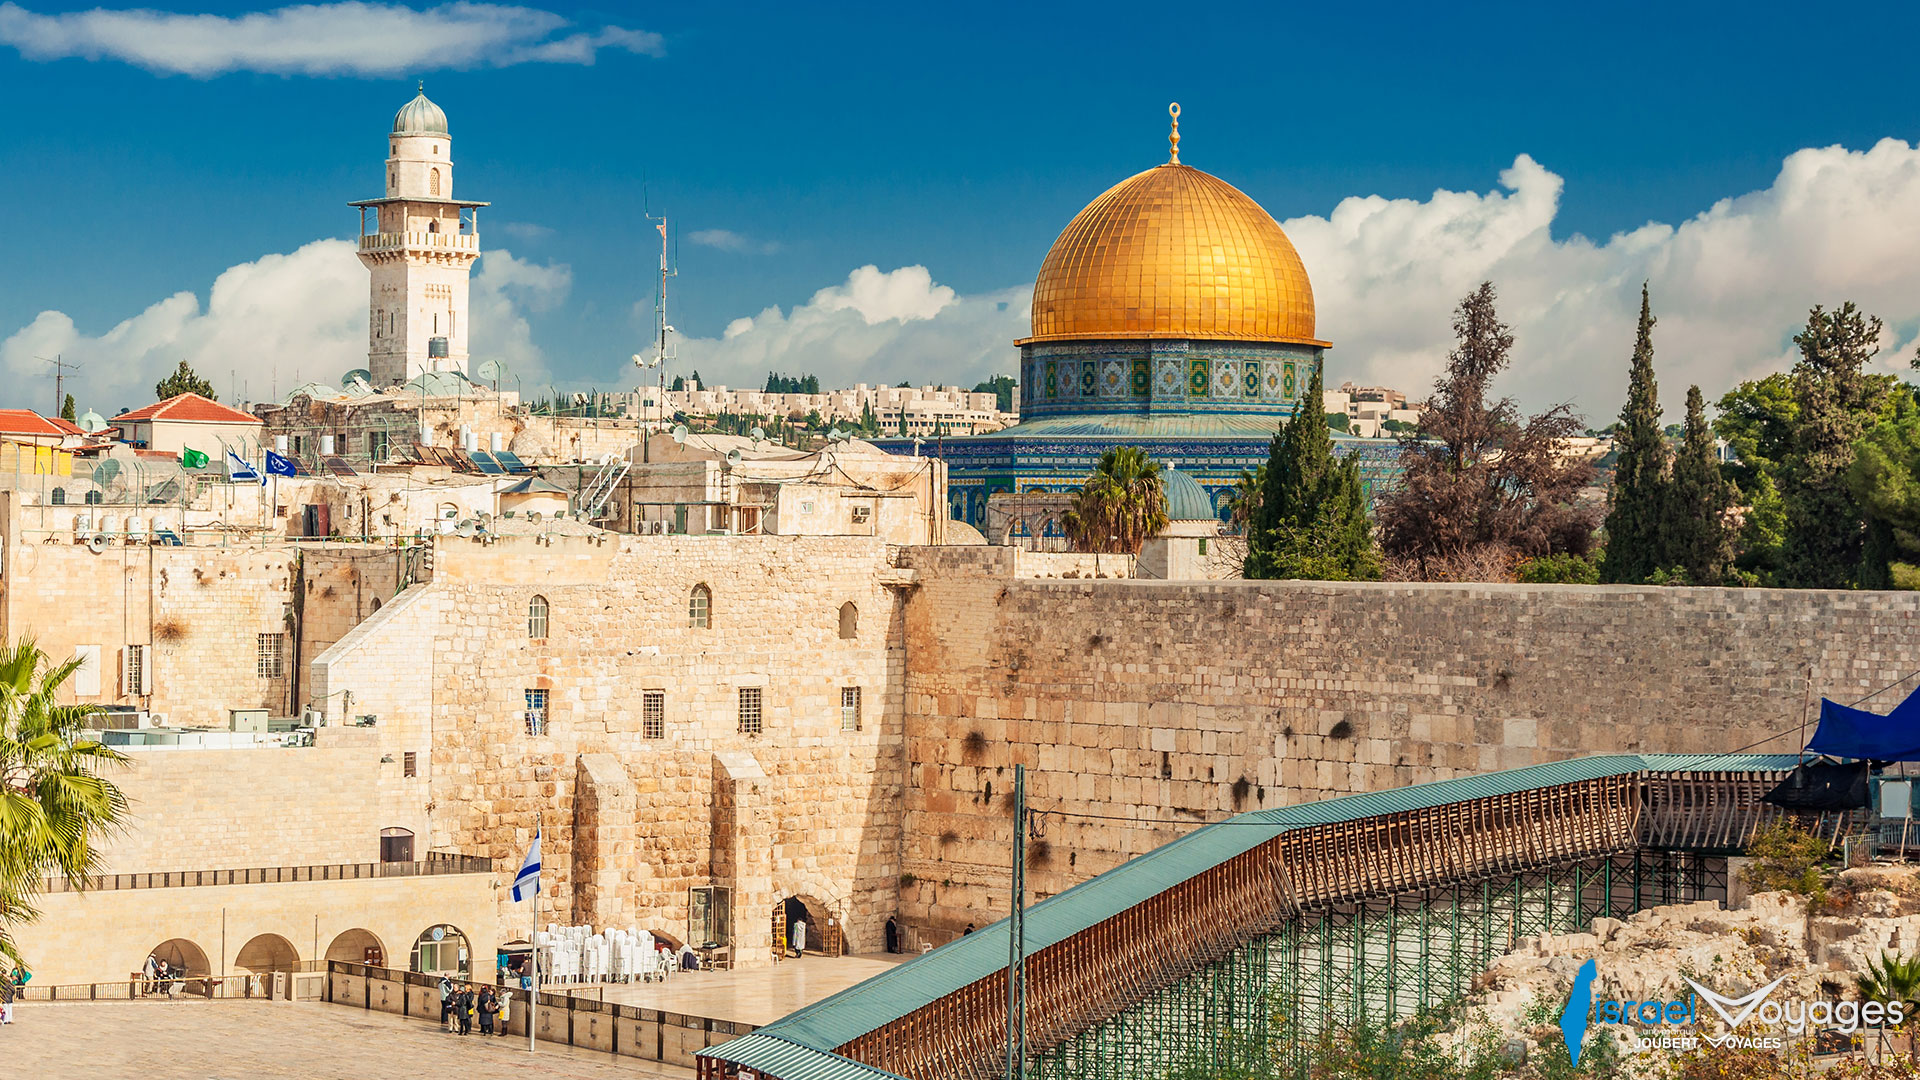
700,608
57,497
849,621
537,617
433,182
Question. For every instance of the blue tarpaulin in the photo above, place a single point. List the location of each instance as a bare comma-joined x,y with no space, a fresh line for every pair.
1855,733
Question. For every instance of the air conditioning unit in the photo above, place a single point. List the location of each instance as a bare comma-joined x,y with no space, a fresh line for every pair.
313,717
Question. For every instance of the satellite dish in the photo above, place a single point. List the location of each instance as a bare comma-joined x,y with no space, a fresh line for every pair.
466,528
680,433
358,374
489,370
734,456
104,472
91,422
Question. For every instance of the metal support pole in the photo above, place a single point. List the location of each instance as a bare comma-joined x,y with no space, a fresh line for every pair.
1017,935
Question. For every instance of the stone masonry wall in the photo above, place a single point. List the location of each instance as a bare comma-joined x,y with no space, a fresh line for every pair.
1170,704
618,626
220,809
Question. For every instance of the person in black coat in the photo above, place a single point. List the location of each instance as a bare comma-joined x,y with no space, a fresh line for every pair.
464,1002
489,1005
893,935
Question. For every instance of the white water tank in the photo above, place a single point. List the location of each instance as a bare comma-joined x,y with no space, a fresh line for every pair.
497,442
326,445
279,444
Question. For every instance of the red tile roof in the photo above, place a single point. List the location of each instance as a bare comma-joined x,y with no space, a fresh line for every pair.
28,422
65,425
191,408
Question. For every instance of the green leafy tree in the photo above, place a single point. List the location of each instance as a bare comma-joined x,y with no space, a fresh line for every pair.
1001,387
1786,856
1245,498
68,411
184,381
1638,503
1700,540
679,384
1825,540
1121,505
55,804
1757,420
869,423
1885,478
1340,422
1312,518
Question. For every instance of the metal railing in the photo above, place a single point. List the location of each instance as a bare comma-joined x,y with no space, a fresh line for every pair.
436,863
565,1018
239,987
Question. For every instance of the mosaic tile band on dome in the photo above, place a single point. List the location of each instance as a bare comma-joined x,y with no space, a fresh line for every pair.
1172,314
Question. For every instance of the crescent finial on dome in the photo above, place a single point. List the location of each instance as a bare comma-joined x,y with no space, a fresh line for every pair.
1173,140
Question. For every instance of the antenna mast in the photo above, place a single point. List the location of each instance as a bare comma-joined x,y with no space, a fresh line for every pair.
662,350
60,365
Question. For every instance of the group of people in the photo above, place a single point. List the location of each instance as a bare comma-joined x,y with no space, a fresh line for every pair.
12,987
157,977
463,1003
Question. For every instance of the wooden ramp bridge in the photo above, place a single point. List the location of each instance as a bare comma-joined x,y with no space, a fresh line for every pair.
1364,907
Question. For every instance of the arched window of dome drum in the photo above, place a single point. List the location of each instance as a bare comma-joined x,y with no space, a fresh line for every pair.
433,182
700,608
537,617
849,621
57,497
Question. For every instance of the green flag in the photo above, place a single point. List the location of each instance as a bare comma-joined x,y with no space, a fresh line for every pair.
192,459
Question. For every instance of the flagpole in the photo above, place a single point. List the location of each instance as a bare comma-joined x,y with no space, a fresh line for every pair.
533,939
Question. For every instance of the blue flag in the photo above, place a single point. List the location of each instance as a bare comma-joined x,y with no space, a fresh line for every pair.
527,882
280,466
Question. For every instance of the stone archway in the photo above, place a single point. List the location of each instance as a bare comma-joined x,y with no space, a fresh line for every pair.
823,928
267,953
358,946
181,955
442,950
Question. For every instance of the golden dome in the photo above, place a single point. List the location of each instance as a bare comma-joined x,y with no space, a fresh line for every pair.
1173,253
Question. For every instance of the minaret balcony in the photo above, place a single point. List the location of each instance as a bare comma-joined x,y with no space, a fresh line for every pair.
432,241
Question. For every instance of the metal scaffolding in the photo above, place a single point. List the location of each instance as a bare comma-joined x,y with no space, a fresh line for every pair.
1260,1008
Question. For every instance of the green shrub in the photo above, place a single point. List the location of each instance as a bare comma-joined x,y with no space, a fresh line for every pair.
1561,569
1787,857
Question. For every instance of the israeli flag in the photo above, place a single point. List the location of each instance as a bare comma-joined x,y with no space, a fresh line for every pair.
238,469
527,883
280,466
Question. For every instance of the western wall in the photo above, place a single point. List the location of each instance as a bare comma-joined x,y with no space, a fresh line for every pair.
1166,704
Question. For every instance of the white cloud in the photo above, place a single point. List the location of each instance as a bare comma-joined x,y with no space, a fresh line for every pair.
270,325
1729,286
728,240
349,38
523,230
890,326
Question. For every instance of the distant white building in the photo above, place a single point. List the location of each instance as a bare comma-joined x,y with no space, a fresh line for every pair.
1368,408
899,410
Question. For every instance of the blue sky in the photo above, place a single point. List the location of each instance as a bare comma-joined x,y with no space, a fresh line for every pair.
142,159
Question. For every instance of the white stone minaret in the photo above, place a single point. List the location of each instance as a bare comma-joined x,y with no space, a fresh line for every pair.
421,248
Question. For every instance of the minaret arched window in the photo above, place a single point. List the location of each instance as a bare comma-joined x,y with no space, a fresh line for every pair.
433,182
537,618
700,608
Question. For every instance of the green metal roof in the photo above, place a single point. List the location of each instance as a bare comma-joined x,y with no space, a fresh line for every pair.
778,1057
857,1010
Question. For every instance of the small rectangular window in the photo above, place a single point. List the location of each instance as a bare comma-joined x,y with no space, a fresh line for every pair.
653,714
1203,545
750,710
849,708
409,764
536,712
377,446
136,674
268,656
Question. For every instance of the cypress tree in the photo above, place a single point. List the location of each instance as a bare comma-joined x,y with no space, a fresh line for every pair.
1637,544
1825,533
1311,521
1701,543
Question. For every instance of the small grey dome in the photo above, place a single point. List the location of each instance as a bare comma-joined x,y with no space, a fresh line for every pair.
420,117
1186,499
